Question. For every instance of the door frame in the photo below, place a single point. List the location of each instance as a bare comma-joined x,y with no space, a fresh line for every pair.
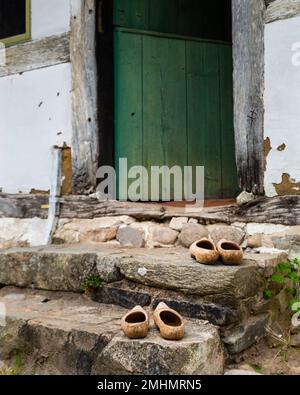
248,22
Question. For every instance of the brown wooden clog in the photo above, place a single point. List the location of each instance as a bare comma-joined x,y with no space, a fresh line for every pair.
135,324
204,251
169,322
230,252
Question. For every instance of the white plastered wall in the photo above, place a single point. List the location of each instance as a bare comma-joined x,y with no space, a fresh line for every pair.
35,109
282,103
49,17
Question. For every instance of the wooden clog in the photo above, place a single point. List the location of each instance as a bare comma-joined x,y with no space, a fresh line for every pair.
169,322
135,324
204,251
230,252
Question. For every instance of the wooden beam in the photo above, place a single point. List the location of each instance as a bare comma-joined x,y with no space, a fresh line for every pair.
23,206
85,150
248,79
279,210
36,54
283,210
282,9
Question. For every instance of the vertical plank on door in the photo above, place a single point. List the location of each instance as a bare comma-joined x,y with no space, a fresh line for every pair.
203,119
128,98
229,171
164,102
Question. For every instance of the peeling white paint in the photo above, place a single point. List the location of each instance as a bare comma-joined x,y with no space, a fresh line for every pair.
49,17
282,101
35,115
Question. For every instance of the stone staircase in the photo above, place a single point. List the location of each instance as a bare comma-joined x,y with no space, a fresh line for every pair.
64,333
59,330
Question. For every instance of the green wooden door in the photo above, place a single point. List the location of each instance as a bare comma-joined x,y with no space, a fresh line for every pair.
173,94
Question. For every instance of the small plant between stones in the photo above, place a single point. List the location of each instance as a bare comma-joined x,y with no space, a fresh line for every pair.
287,274
286,278
91,284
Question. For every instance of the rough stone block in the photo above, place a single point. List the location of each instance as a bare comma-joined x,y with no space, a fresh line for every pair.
192,232
178,222
130,237
226,232
162,236
247,334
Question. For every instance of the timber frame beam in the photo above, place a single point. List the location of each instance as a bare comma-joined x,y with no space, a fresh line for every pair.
248,79
85,137
34,55
282,9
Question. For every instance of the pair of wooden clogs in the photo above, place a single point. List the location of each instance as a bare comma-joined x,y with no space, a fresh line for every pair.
135,324
207,253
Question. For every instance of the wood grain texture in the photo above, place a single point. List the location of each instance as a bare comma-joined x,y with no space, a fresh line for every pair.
85,146
228,165
23,206
174,107
164,105
36,54
282,9
248,76
283,210
204,127
128,98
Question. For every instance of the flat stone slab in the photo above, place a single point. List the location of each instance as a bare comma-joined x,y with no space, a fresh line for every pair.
63,268
57,268
65,333
175,270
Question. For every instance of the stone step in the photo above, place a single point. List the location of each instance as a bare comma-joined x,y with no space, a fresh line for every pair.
63,268
239,328
66,333
175,270
225,296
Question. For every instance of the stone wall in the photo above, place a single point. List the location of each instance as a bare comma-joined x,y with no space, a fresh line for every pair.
126,231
